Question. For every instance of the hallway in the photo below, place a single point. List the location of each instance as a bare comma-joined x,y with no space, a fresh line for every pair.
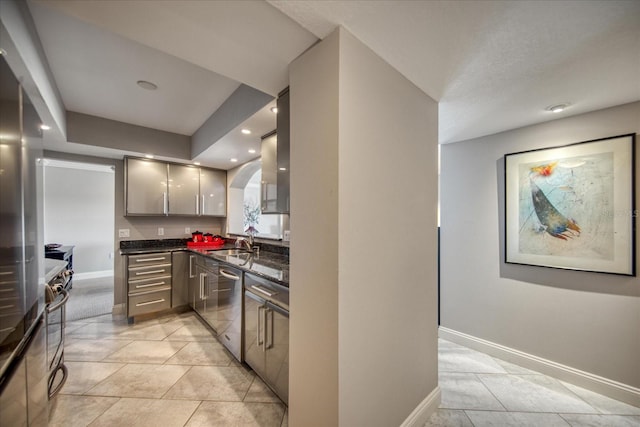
169,371
480,391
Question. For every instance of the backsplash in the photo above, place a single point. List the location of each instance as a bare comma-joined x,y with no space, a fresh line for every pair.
146,228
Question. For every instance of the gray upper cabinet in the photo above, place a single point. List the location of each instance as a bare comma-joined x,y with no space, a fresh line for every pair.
159,188
213,192
274,186
282,156
269,179
184,190
146,187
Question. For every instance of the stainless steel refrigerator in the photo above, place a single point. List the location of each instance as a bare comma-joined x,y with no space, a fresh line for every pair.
23,366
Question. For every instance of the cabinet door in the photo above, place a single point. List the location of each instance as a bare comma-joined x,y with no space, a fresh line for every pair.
194,282
210,303
282,156
277,351
184,190
146,187
254,324
213,192
179,278
269,180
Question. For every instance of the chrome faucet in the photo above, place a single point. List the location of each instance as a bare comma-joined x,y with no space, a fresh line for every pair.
240,242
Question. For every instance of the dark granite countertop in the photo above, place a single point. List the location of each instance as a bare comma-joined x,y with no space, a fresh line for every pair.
270,262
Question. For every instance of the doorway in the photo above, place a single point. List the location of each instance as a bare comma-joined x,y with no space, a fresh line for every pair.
79,214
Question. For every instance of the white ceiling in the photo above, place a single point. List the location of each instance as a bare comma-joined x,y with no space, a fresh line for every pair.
492,65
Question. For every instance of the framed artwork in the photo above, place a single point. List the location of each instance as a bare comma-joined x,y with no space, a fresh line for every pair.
572,207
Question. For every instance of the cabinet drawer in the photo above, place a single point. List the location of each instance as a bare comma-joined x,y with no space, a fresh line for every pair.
148,302
148,272
150,284
149,259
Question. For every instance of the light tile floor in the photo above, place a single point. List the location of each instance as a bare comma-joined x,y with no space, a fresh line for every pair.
163,372
479,390
170,371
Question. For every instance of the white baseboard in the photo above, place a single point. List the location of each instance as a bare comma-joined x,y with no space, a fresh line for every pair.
93,274
421,414
613,389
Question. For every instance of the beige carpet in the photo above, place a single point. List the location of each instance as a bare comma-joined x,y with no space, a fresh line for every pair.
90,298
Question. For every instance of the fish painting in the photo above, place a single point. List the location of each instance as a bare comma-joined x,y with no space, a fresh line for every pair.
554,223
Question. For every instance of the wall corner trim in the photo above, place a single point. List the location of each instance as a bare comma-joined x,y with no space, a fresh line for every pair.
421,414
610,388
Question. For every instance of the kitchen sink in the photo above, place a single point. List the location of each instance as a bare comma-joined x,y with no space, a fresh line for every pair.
229,252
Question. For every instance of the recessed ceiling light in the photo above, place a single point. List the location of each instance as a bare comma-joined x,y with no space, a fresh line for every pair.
274,110
246,131
558,108
252,151
149,156
147,85
196,163
45,127
234,160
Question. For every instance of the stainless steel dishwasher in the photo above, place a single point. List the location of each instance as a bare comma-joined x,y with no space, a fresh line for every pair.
215,293
266,332
228,317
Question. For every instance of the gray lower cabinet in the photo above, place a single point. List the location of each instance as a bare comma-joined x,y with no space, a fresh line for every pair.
148,283
179,278
266,335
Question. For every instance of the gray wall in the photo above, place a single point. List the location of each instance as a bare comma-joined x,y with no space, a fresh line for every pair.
587,321
78,210
363,335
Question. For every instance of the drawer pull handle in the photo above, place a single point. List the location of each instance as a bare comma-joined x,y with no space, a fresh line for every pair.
157,301
150,259
149,285
263,291
142,273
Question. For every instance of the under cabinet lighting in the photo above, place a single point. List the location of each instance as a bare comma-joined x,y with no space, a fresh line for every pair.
149,156
196,163
252,151
246,131
234,160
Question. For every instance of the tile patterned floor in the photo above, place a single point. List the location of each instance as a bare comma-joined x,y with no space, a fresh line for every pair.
479,390
167,371
170,371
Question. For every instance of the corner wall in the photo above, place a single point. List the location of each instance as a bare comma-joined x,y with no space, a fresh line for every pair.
585,321
363,334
